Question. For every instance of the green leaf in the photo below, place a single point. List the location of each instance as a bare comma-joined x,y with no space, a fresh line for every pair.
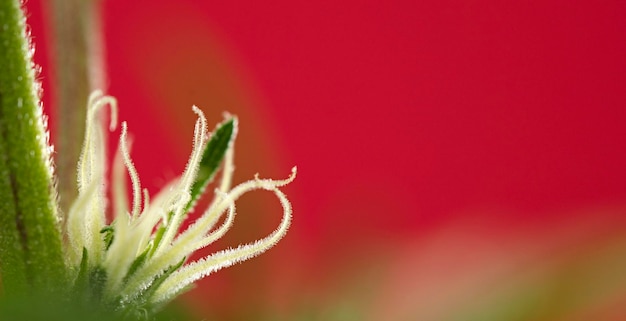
108,233
159,279
81,279
212,158
137,263
143,301
30,242
97,281
158,236
89,284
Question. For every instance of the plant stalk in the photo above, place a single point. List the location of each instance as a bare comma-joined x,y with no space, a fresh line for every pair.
31,256
79,70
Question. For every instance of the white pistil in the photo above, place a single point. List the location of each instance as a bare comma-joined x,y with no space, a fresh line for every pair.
132,172
87,217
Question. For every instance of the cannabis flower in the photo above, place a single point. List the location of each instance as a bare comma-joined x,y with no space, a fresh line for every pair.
139,259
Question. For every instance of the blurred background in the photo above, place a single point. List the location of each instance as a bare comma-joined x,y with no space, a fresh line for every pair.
457,160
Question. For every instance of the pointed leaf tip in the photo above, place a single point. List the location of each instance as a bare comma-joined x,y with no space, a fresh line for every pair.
212,156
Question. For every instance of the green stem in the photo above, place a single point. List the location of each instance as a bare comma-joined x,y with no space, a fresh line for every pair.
31,256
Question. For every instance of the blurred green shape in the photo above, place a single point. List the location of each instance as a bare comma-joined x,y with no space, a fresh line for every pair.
45,308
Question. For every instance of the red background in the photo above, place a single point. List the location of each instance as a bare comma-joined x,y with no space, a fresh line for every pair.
434,139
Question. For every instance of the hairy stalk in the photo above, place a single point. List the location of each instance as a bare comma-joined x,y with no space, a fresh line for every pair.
30,243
